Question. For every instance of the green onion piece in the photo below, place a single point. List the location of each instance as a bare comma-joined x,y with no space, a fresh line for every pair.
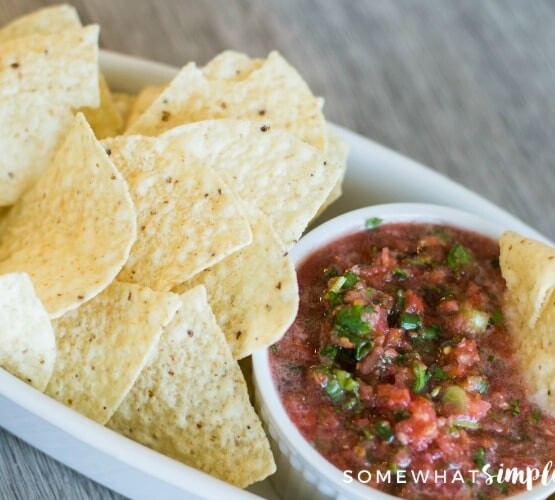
383,429
536,415
362,349
479,457
420,377
410,321
351,279
435,391
274,348
333,389
475,321
455,397
346,381
431,332
459,257
335,284
515,406
401,273
466,424
349,319
372,222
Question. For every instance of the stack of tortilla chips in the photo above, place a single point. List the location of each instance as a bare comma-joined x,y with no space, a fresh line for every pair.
136,271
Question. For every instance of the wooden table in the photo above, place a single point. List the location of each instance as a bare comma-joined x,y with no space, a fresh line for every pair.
467,88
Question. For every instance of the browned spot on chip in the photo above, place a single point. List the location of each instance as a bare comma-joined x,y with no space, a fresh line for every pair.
165,115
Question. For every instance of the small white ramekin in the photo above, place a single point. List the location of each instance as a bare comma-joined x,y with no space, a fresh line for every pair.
302,473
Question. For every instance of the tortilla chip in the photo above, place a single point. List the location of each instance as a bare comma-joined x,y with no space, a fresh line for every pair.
273,93
124,103
191,402
72,232
143,101
273,171
33,127
188,219
337,152
64,64
46,20
528,268
105,120
253,292
27,345
232,66
104,345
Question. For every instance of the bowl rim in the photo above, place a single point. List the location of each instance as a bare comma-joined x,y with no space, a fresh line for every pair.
321,235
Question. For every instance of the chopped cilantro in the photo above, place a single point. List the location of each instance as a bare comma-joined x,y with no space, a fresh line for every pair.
372,222
351,279
459,257
479,457
515,407
274,348
497,317
329,351
334,299
536,415
383,429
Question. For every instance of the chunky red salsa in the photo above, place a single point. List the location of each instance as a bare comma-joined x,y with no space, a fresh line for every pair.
399,360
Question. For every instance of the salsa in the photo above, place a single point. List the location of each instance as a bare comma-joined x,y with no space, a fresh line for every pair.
399,360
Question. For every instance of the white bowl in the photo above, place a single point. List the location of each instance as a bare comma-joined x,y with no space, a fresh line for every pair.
302,471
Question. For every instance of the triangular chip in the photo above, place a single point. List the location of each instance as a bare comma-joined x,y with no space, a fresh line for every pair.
273,171
188,219
72,232
105,120
337,152
63,64
191,402
231,66
46,20
33,127
27,345
253,292
142,102
271,92
528,267
104,345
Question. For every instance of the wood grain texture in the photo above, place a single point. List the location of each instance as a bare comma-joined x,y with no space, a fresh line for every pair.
467,88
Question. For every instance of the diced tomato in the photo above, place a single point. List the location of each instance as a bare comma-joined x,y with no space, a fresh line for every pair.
420,429
393,397
413,303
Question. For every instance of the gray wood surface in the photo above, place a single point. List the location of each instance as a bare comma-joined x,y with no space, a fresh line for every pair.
467,88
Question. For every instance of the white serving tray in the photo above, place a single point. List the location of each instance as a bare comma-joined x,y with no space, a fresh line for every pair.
375,175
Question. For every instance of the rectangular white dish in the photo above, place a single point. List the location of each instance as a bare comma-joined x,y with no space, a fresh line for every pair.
375,175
